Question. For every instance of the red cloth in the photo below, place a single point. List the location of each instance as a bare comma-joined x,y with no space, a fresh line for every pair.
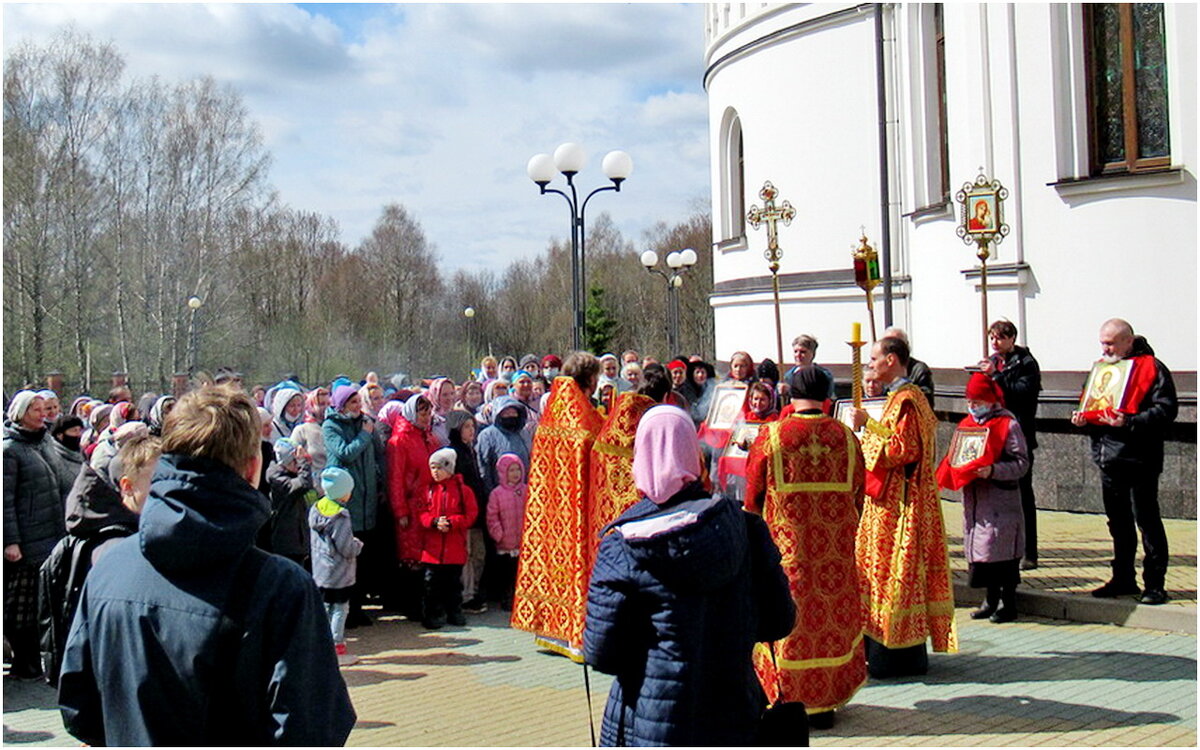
453,499
408,452
1141,378
955,478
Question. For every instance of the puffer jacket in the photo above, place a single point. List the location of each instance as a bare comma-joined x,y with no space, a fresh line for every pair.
679,595
334,549
150,659
453,499
350,447
408,453
1137,446
494,441
34,492
69,464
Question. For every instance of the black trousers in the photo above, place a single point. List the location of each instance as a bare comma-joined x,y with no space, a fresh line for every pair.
443,592
1029,512
1131,497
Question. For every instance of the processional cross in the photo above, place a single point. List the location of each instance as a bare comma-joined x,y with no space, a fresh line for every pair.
771,215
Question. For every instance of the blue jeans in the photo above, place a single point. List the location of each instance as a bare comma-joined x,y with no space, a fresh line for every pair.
337,620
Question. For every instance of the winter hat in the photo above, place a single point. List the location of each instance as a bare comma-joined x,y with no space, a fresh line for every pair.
528,359
982,388
63,423
341,394
47,394
337,483
551,360
285,450
20,404
444,459
457,418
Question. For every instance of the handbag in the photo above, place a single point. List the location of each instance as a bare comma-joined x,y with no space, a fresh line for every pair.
783,723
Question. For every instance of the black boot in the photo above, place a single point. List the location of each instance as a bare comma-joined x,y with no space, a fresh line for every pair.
988,608
1008,605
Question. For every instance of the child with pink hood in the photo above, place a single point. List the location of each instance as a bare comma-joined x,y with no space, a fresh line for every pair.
505,519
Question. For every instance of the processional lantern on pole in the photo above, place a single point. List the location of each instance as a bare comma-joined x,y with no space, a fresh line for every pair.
866,275
771,215
982,224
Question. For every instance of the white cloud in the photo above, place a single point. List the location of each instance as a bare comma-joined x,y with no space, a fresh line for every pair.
439,107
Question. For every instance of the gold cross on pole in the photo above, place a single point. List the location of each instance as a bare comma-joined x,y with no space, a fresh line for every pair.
771,215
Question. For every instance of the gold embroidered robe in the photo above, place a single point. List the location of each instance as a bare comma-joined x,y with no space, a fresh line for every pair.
903,561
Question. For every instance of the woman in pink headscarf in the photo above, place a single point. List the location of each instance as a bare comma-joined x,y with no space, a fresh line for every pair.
689,583
441,393
308,433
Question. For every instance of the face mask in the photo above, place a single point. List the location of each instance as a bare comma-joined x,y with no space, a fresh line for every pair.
552,373
980,412
70,442
509,423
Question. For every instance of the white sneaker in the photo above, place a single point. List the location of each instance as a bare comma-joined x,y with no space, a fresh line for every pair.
345,660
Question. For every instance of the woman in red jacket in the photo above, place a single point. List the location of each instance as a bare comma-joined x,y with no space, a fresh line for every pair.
444,516
408,452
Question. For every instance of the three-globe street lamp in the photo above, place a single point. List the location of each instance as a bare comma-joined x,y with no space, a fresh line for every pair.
569,159
679,262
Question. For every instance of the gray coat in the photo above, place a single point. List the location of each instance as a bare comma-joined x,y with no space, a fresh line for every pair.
70,463
334,548
34,494
993,526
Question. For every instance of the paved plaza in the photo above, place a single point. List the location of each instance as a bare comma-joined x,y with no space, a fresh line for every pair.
1035,682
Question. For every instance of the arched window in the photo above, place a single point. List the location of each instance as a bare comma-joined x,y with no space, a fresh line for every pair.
733,178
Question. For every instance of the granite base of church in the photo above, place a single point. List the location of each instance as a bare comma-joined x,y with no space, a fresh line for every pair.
1064,477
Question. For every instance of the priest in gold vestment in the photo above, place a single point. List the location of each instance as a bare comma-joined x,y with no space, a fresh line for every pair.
557,545
805,476
901,550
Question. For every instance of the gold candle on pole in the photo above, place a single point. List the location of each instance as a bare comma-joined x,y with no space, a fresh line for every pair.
982,224
771,216
856,344
866,275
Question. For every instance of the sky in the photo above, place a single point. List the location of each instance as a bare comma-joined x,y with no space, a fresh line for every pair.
439,106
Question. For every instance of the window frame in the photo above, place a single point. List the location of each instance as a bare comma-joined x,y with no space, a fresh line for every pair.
1132,163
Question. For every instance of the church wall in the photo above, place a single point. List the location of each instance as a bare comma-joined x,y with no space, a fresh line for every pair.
1079,251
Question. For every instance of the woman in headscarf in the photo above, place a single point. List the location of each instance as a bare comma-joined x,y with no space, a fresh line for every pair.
287,412
34,491
98,419
472,397
488,369
158,414
441,394
697,388
77,405
408,451
606,393
350,445
508,368
689,583
308,434
372,399
760,407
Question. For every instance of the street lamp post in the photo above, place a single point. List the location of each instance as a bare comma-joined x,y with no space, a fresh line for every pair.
469,314
569,159
679,262
194,304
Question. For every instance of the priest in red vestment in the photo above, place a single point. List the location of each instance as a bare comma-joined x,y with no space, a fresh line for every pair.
805,477
558,544
903,561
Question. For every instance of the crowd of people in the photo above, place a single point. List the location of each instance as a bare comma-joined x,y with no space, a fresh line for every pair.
647,518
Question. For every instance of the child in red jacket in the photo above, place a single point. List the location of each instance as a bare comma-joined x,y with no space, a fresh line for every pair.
445,516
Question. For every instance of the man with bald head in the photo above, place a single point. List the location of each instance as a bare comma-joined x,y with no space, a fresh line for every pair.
1127,446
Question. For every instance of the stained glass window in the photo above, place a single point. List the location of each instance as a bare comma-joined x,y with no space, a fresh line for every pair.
1127,87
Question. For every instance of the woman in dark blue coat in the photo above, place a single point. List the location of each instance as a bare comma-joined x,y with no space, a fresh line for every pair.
683,587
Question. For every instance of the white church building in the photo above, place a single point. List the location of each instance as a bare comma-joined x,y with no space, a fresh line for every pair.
873,116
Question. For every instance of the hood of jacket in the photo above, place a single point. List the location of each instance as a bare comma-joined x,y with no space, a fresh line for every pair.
280,402
200,515
692,542
95,503
323,514
503,403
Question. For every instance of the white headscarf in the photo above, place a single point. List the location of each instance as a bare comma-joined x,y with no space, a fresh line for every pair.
20,404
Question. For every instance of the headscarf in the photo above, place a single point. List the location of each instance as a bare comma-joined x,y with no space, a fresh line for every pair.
409,409
279,410
77,404
47,394
364,394
122,412
98,414
156,413
666,453
20,404
145,404
435,395
462,402
312,411
489,390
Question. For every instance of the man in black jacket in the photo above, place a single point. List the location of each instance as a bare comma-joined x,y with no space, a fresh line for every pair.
1127,445
918,372
1017,373
185,633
